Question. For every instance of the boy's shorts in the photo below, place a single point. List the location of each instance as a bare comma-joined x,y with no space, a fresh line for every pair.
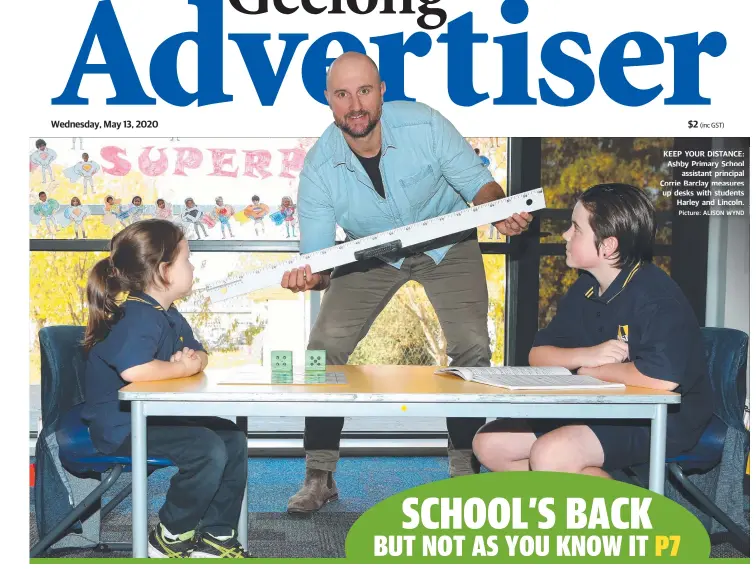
625,443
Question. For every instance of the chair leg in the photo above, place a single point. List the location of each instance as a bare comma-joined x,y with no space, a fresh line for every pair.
76,513
117,499
710,507
110,547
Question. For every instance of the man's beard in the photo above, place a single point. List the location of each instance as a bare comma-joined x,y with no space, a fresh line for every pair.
372,123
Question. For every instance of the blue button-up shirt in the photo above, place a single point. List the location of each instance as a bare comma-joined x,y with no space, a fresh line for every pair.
428,169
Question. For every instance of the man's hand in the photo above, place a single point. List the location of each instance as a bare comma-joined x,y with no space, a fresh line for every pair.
302,279
610,352
514,225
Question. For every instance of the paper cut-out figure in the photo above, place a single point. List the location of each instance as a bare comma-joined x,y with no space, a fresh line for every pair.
44,157
76,213
135,211
223,213
193,216
287,209
257,211
163,210
112,210
84,169
46,209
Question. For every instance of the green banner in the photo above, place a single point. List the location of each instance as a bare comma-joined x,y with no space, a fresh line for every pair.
527,517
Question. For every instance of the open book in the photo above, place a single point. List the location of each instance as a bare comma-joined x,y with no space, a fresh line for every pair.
529,378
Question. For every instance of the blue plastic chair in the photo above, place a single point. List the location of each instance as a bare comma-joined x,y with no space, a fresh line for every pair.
726,354
62,379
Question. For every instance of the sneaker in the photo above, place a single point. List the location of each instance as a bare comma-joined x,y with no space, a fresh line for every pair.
161,547
208,547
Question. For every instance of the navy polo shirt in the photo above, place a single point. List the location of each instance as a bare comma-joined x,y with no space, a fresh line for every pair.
145,332
644,307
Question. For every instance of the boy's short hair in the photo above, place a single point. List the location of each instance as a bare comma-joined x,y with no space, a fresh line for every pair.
40,143
625,212
40,194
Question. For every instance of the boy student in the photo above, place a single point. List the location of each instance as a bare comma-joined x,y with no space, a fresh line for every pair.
624,320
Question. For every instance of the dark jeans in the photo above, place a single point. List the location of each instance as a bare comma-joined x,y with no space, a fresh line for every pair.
211,455
358,292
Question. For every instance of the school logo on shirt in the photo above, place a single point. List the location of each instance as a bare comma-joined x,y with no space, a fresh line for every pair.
623,332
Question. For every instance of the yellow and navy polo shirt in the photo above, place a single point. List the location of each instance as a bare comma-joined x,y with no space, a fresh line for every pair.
145,332
644,307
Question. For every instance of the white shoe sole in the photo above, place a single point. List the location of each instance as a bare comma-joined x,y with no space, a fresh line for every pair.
154,553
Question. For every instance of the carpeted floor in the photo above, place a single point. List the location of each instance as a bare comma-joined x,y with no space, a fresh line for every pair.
362,483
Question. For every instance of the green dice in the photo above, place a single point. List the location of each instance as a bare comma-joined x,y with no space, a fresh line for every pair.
281,360
315,360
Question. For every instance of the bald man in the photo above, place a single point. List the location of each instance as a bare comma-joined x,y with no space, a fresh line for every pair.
378,167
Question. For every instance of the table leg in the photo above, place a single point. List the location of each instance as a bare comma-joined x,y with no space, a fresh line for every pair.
139,479
657,468
243,517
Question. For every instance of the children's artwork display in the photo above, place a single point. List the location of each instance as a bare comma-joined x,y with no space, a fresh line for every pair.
216,189
91,188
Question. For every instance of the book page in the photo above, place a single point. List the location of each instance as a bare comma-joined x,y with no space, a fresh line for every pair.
524,370
470,373
549,382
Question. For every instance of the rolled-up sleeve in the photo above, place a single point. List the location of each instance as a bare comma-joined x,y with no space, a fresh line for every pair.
461,167
317,220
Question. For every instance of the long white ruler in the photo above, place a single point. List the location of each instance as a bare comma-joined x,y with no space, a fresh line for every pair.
379,244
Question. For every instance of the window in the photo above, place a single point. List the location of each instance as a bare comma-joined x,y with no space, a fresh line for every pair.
571,165
89,199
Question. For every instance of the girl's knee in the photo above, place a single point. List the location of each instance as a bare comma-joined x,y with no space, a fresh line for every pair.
213,447
237,443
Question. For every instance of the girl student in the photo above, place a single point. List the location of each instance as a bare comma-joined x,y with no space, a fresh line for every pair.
135,333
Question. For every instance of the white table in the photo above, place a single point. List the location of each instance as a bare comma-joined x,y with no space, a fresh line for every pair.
375,391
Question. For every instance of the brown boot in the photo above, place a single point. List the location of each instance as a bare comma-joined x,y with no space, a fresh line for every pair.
462,463
318,489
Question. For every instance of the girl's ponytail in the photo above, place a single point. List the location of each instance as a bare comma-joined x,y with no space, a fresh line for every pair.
102,289
136,254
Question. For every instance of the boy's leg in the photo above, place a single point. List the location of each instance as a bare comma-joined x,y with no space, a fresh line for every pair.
504,445
571,448
623,443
